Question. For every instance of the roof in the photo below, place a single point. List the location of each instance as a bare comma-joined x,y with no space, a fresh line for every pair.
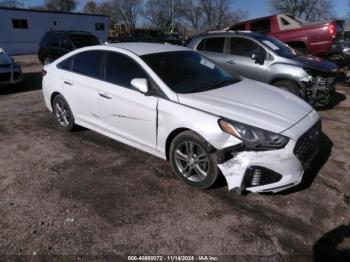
47,11
228,33
148,48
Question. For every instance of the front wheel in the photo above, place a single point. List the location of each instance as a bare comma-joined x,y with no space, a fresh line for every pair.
289,86
192,161
63,113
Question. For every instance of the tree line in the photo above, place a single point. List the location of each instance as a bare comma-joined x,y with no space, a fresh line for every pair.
196,15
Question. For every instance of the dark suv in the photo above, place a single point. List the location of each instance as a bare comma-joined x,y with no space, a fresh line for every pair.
55,44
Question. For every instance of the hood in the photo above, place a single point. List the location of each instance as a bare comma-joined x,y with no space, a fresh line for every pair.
253,103
5,59
316,63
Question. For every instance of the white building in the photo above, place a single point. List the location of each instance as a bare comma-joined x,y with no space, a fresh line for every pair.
22,29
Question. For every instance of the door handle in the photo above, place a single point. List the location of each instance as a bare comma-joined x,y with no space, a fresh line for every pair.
68,83
231,62
105,95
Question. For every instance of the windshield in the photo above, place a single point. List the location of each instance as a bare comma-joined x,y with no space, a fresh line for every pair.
277,46
188,71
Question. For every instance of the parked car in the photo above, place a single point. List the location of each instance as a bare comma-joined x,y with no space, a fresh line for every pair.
149,36
171,38
55,44
266,59
10,71
320,39
176,104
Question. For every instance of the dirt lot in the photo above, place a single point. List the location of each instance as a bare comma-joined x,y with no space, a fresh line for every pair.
83,194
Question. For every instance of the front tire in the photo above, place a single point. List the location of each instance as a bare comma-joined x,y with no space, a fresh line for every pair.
63,113
289,86
192,161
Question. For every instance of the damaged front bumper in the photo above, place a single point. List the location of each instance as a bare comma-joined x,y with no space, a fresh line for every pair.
320,89
275,170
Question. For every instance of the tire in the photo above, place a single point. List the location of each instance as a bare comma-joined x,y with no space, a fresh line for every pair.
46,60
289,86
337,59
192,161
63,113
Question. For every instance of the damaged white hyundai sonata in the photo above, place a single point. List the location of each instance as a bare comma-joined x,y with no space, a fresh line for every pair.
176,104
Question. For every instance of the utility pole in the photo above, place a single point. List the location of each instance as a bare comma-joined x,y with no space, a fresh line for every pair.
172,16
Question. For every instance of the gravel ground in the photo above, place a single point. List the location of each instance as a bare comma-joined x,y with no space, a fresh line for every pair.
81,196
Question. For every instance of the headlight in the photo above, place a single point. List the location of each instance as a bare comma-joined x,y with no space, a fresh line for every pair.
253,137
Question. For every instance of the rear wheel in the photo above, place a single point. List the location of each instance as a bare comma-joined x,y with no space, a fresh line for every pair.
46,60
63,113
192,162
289,86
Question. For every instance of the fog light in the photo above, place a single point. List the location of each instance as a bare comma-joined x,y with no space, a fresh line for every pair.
259,176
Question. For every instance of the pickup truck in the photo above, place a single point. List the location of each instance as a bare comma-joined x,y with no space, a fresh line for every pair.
322,39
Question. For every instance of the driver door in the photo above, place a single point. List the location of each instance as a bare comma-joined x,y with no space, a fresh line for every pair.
123,111
239,58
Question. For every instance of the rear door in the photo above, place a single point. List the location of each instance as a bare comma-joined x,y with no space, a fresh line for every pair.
239,58
213,48
81,79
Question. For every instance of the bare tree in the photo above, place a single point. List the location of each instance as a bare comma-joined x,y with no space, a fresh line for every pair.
90,7
159,13
61,5
192,13
128,10
310,10
218,13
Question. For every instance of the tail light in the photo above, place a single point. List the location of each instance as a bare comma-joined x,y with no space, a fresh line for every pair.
332,29
43,72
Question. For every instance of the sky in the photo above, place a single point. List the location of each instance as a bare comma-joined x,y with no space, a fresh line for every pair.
256,8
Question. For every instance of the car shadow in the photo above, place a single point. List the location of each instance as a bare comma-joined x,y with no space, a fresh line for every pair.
333,246
325,149
336,99
31,82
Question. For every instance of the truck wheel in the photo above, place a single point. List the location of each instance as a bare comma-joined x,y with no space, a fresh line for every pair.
337,59
289,86
192,161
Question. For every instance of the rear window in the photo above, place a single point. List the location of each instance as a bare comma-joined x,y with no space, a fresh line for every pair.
261,26
81,40
215,44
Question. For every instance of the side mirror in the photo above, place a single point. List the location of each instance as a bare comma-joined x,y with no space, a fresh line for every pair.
140,84
259,57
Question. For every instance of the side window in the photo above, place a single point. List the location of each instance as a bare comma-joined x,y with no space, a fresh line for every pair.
215,44
53,40
66,64
99,26
201,45
20,23
120,70
88,63
66,43
261,26
243,47
284,21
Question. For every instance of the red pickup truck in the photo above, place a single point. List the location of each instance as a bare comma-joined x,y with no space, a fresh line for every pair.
321,39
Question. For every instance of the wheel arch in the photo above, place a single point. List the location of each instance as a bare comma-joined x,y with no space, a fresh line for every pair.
53,95
281,78
171,137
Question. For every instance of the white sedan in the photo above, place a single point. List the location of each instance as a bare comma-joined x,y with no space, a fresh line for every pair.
176,104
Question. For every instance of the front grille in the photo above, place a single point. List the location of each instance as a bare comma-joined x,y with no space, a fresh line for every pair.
5,77
306,147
